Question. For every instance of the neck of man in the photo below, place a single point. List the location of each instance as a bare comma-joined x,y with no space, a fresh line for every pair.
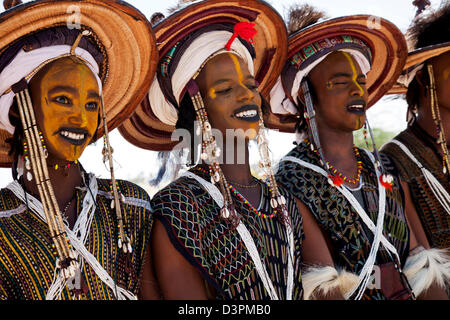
236,163
64,180
337,147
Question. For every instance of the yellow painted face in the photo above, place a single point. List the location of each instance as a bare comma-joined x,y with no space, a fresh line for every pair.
230,94
441,68
340,92
66,101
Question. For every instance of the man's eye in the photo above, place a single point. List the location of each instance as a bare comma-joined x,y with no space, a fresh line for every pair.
62,100
252,86
224,91
91,106
341,83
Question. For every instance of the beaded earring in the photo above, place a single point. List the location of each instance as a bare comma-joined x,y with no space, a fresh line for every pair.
440,132
27,161
44,147
277,201
210,153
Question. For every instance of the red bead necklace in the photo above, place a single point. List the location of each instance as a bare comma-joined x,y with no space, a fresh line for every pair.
337,177
238,195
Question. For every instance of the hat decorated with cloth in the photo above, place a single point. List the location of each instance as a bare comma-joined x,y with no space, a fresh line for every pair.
111,37
188,38
376,44
414,63
428,37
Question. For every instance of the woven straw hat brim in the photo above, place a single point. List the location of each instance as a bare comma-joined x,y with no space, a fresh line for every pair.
124,32
386,42
416,58
270,46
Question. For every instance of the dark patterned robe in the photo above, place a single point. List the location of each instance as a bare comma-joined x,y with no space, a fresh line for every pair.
350,238
192,220
435,221
27,261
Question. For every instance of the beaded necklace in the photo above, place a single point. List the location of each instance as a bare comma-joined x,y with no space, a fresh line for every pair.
238,195
338,176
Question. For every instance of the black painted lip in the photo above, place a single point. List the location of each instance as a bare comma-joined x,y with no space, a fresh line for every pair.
74,130
247,108
355,103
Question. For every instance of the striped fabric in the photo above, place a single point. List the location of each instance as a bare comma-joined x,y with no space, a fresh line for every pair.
435,221
27,261
192,221
350,238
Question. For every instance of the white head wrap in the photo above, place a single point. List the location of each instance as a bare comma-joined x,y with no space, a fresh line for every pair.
281,104
209,43
406,79
24,63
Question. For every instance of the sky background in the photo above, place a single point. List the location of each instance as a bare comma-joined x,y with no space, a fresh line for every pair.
132,163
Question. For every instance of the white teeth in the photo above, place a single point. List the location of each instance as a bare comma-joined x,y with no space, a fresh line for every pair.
359,106
247,114
71,135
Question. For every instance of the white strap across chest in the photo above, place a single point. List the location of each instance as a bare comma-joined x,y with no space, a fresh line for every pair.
439,191
250,243
81,227
366,271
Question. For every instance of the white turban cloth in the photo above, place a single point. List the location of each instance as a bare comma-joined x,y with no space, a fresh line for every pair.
206,45
24,63
281,104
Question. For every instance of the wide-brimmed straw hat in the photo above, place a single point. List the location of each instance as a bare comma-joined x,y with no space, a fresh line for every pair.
121,33
144,129
387,45
415,59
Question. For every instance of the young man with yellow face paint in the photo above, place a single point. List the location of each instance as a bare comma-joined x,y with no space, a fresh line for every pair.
67,104
220,232
64,234
355,209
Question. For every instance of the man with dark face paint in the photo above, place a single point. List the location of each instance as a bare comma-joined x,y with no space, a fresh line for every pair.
64,234
355,209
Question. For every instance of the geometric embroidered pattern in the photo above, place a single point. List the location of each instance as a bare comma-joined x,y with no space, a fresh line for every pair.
195,228
27,261
349,236
435,221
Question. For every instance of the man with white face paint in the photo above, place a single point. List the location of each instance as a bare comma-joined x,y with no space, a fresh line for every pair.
353,205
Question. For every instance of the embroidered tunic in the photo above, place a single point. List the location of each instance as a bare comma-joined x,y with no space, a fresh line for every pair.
350,238
435,220
27,261
192,220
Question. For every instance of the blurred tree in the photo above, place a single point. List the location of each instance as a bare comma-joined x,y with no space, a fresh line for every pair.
380,136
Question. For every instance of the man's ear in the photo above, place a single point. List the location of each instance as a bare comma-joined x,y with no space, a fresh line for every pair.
419,78
301,96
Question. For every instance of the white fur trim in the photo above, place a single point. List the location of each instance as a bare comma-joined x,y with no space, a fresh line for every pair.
325,279
428,267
